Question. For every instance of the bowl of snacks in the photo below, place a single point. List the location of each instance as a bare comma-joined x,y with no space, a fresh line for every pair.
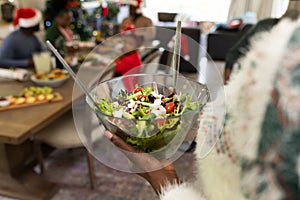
54,78
4,101
147,112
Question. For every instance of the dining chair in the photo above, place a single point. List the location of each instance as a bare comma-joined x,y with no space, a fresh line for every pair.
62,134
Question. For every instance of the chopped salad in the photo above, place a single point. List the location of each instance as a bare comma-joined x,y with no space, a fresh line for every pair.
156,117
146,103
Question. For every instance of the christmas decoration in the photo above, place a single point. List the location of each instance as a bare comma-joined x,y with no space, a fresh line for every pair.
104,9
108,11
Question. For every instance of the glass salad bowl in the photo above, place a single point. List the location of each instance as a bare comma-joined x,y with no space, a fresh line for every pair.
147,112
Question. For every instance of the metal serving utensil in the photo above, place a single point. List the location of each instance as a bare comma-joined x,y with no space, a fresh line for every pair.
176,54
68,68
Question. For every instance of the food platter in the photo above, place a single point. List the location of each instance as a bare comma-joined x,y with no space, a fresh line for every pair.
30,97
57,97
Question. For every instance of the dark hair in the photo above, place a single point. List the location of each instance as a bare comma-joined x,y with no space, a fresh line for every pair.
61,12
33,28
55,8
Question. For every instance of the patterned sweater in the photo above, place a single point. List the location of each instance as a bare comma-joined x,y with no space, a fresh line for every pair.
257,156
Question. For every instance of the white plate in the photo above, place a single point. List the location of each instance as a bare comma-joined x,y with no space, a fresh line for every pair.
50,83
4,103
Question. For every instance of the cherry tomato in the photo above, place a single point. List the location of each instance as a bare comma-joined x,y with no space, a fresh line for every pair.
141,97
170,107
136,90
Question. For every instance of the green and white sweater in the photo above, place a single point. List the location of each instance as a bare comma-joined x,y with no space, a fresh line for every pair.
258,154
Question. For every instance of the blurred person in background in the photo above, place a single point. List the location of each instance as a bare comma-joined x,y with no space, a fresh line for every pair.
240,49
130,61
139,21
59,33
18,47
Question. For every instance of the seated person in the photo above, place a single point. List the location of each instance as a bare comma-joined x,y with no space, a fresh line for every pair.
130,61
59,32
18,47
139,21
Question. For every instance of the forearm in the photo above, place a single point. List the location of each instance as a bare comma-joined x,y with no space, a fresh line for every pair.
172,188
161,179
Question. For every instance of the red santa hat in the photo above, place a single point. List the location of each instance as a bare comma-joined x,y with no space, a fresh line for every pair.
27,17
135,3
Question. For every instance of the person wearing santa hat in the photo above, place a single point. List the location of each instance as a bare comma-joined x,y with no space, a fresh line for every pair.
18,47
139,21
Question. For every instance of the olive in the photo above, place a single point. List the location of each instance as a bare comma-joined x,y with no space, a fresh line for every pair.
151,98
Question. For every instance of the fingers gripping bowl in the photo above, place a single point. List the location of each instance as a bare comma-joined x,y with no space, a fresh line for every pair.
147,113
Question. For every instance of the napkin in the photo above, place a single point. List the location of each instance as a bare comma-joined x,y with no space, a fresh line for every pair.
15,74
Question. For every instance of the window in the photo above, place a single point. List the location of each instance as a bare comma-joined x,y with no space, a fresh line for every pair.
196,10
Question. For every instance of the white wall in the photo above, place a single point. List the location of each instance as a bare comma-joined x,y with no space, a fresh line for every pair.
38,4
197,10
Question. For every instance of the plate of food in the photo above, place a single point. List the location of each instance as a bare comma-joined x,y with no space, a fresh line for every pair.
29,96
86,44
151,116
54,78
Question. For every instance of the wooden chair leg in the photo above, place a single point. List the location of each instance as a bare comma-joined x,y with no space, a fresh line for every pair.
91,167
39,156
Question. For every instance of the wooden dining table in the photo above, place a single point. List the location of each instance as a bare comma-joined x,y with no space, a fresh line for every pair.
18,127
